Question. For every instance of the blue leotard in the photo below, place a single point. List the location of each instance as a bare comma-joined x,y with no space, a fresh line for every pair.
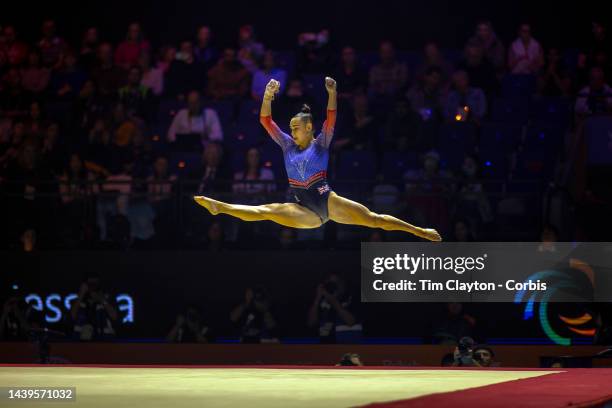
307,168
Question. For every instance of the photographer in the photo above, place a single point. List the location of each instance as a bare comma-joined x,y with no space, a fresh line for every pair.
467,354
93,313
334,311
255,318
13,322
350,360
189,328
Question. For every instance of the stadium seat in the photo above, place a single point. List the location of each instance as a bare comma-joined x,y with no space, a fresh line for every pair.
225,111
356,165
598,133
314,86
518,86
286,60
182,163
168,108
395,164
497,142
244,135
249,111
550,110
455,140
510,110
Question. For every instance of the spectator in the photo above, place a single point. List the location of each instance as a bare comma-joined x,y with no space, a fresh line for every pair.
215,237
313,54
427,188
389,76
89,47
525,55
334,312
287,239
205,54
492,48
76,189
35,77
427,97
350,76
68,80
189,327
432,57
248,43
554,79
267,72
117,190
430,178
14,324
160,184
51,46
480,71
596,98
167,54
350,359
254,317
462,231
14,50
107,76
484,356
472,201
152,77
455,325
245,180
196,120
52,154
401,130
136,97
213,175
464,103
14,100
10,151
291,102
362,129
29,240
93,312
183,74
228,78
598,45
129,51
548,239
89,106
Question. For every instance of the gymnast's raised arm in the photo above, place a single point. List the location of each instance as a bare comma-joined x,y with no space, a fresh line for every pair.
330,121
265,114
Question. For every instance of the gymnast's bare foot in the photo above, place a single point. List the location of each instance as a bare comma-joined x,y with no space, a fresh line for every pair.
211,205
430,234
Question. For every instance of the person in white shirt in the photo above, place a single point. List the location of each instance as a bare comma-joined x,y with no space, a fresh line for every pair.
194,119
596,98
525,55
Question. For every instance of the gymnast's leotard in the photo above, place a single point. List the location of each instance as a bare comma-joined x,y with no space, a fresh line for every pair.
307,168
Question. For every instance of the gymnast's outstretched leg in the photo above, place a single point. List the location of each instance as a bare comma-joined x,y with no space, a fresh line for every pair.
345,211
287,214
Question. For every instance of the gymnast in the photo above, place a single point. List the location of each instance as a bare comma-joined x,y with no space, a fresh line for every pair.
306,158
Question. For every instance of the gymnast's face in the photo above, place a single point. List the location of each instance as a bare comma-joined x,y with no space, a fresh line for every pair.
301,131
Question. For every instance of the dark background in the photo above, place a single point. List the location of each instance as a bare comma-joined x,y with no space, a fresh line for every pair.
363,24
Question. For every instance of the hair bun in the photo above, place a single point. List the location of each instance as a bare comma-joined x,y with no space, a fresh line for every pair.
305,109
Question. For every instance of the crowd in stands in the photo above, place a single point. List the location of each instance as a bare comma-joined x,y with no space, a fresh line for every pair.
102,145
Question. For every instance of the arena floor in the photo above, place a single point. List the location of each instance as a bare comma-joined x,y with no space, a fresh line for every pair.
253,387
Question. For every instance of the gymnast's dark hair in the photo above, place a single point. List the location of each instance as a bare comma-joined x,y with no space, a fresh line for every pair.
305,114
